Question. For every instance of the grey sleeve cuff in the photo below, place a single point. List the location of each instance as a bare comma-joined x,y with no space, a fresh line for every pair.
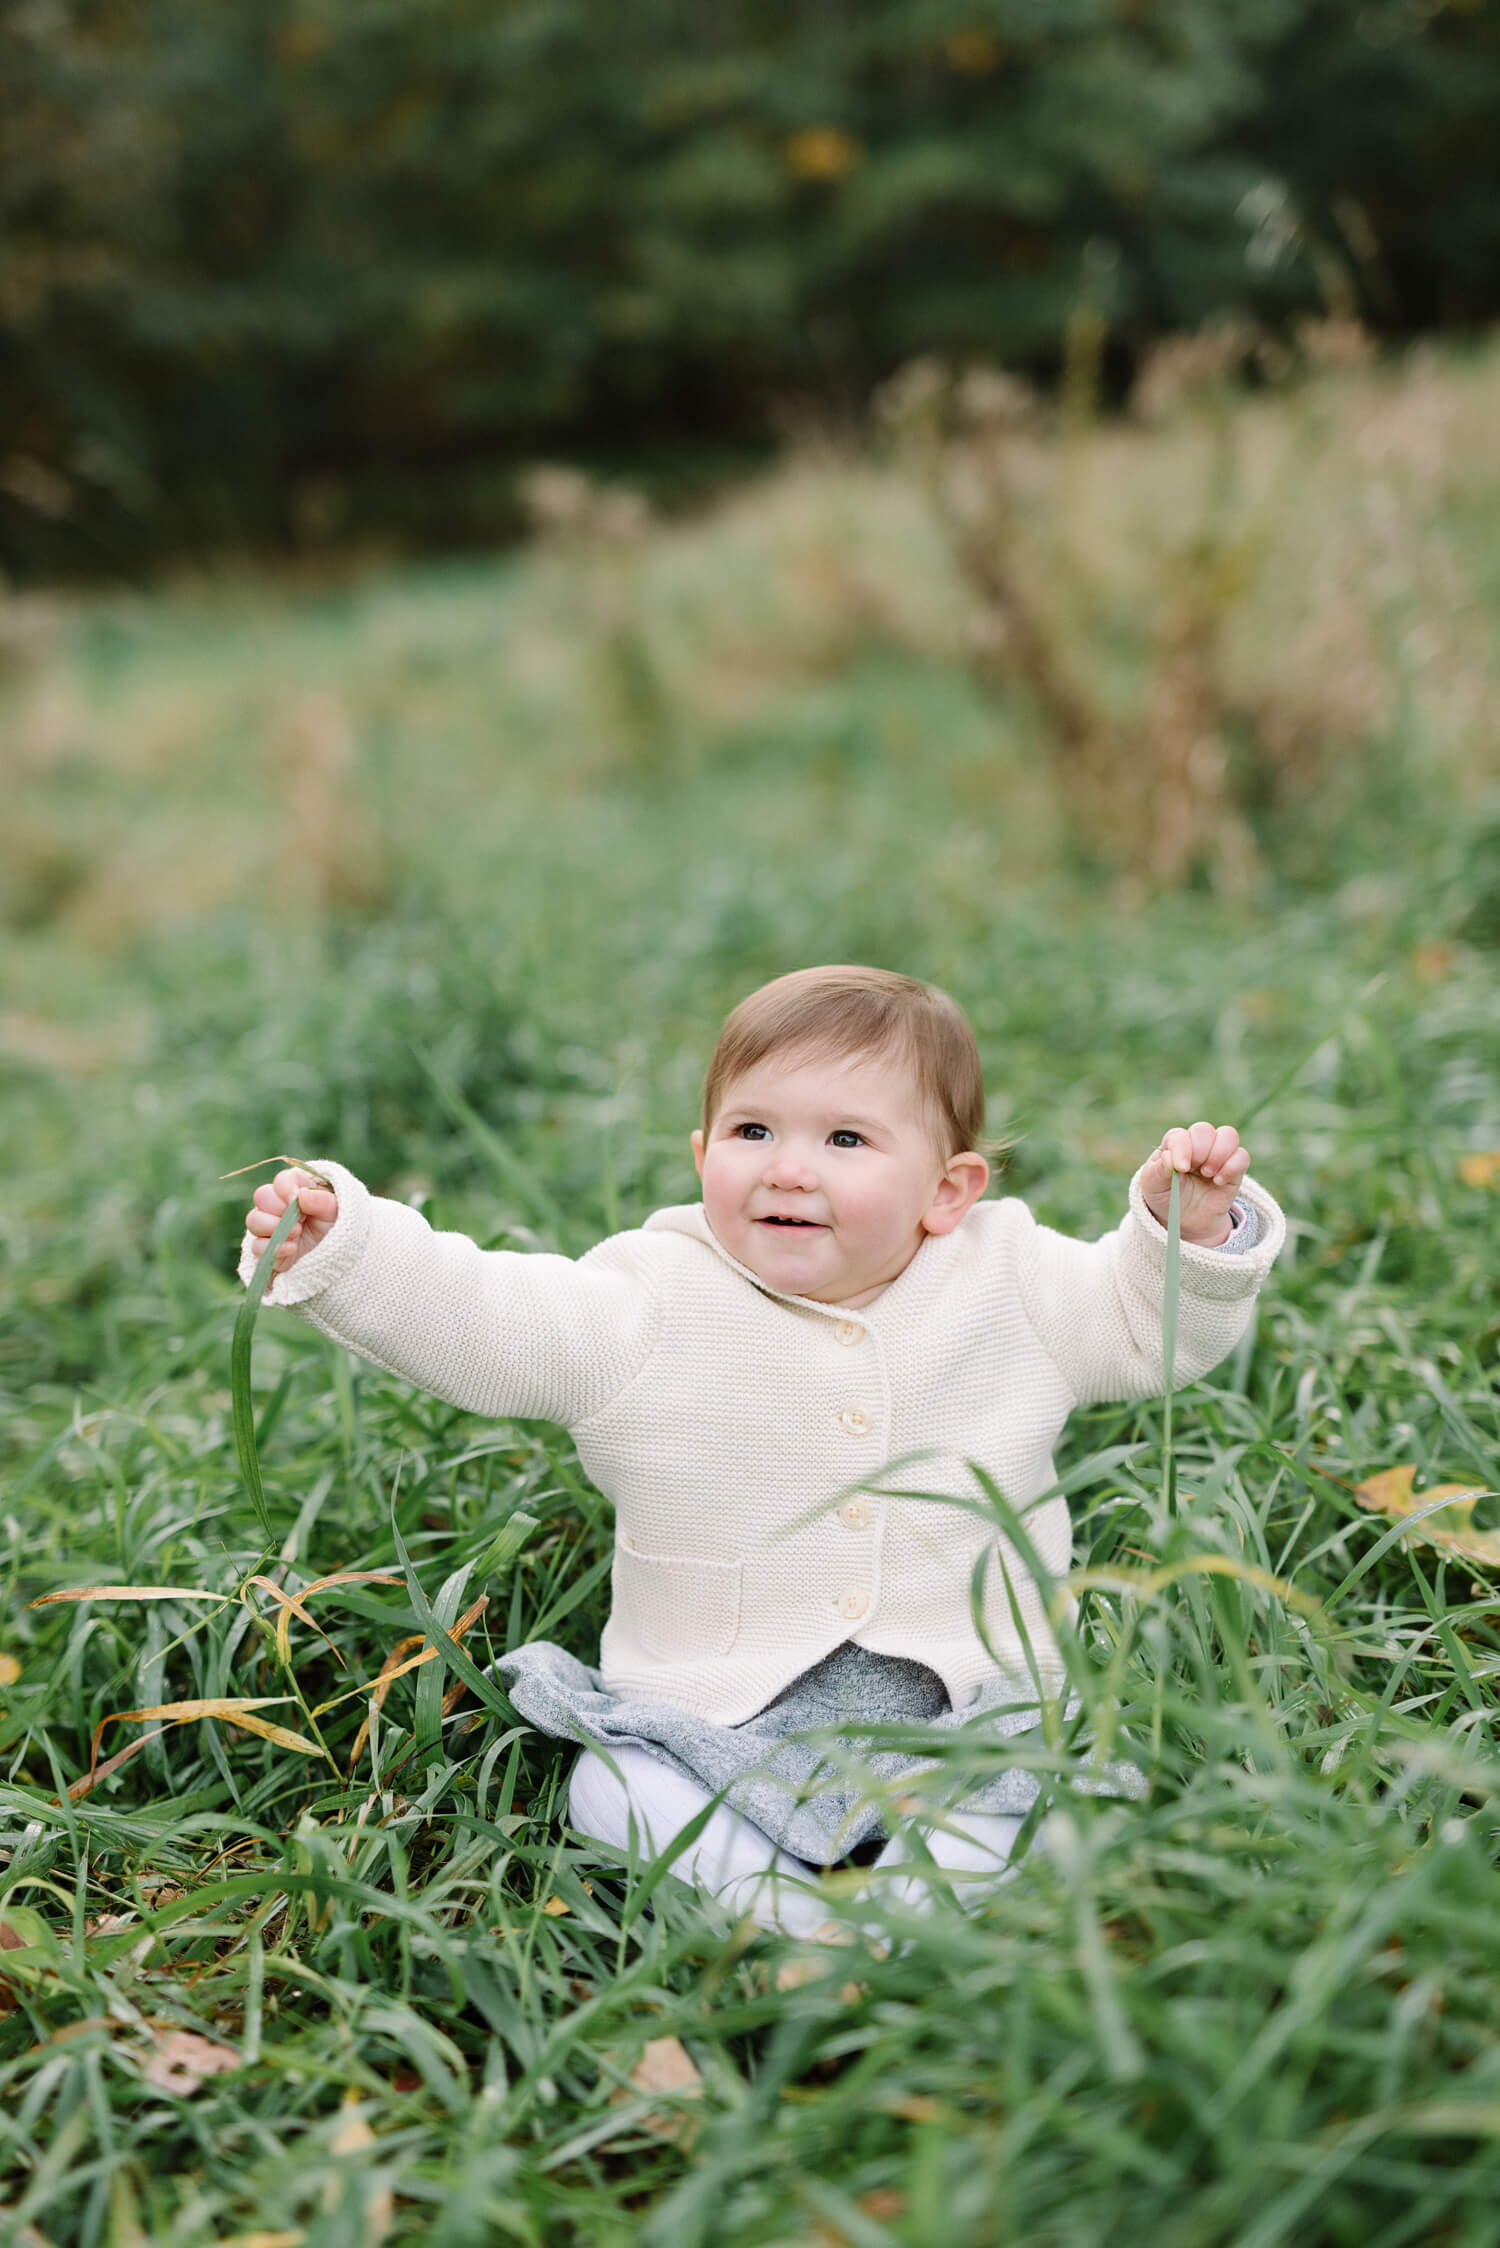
1246,1232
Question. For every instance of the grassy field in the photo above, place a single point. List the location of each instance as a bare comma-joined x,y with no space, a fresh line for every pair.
451,872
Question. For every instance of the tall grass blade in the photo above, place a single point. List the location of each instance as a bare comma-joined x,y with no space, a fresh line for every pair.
239,1368
543,1208
1289,1075
1171,1286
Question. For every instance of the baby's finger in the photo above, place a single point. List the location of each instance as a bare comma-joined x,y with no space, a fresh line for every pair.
1218,1163
1201,1140
1177,1147
288,1183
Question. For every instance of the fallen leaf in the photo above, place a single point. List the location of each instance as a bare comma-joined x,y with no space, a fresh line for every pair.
917,2107
10,1670
353,2136
554,1908
883,2201
810,1967
353,2133
1390,1492
665,2066
263,2240
183,2061
1482,1168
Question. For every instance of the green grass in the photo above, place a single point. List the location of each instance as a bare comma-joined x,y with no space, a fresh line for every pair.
1259,2008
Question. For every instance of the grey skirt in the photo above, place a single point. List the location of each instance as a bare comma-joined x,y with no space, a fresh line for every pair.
806,1769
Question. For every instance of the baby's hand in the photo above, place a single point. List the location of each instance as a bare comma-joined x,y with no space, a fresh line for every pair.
1211,1163
319,1209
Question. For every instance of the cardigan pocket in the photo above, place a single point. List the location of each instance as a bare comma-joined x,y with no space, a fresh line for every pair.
673,1606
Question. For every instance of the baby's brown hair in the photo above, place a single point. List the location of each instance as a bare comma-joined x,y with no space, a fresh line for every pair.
846,1010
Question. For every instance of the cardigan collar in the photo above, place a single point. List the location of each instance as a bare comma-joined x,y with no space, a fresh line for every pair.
691,1218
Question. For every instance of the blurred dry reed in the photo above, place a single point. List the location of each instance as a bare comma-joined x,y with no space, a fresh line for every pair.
1217,608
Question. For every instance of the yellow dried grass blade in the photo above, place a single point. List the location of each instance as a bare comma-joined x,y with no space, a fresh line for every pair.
395,1667
297,1163
129,1592
280,1734
292,1606
78,1789
1144,1583
230,1709
352,1577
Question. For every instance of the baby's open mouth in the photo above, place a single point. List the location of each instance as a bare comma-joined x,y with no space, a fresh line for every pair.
812,1223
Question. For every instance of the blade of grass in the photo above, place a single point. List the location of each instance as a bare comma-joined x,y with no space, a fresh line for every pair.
1170,1289
539,1202
239,1368
1278,1085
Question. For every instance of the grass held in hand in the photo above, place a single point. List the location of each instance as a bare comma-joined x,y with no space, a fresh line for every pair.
239,1366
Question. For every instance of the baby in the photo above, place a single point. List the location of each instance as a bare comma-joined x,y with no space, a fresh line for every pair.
754,1380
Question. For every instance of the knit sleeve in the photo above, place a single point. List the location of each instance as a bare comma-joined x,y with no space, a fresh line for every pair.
1096,1306
497,1332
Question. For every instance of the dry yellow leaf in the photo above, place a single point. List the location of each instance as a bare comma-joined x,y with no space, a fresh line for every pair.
353,2136
1482,1168
263,2240
10,1670
666,2066
1390,1492
183,2061
917,2107
555,1908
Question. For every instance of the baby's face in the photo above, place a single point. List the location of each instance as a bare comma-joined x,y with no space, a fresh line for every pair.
823,1176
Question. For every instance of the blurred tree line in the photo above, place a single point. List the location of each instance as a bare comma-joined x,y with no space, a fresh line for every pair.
282,271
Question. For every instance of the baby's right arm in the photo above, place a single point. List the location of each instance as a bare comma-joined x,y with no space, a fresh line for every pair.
320,1208
498,1331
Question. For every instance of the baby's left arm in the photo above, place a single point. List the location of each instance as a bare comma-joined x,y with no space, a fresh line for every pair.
1210,1162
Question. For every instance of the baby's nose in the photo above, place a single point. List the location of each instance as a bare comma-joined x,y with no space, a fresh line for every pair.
790,1166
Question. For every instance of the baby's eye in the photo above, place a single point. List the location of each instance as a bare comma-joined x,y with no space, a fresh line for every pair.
751,1132
843,1138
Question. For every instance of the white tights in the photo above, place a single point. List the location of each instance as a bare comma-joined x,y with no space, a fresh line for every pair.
739,1864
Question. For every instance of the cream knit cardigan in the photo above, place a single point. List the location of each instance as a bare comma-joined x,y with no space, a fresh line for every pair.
759,1449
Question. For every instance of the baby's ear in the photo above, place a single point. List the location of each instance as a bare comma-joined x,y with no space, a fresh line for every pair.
959,1188
698,1152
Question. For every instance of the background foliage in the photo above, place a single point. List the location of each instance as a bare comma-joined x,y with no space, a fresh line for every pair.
316,269
453,869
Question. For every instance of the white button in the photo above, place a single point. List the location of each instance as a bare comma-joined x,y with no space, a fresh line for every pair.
849,1332
855,1420
854,1514
852,1603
